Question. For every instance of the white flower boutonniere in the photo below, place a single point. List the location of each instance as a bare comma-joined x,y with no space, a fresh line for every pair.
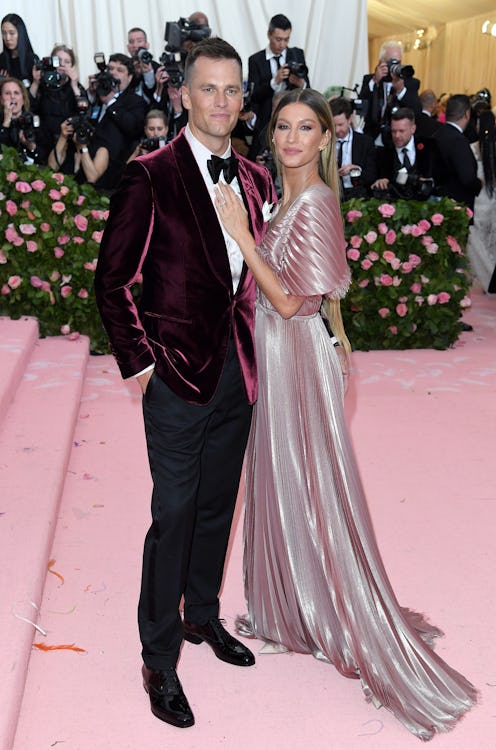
267,211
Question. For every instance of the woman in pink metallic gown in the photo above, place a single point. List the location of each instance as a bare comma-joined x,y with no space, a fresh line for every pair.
314,579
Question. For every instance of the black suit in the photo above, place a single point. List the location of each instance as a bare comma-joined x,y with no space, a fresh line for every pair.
426,125
424,165
260,75
375,119
364,156
457,168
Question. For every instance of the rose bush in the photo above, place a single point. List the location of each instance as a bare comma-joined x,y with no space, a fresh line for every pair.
50,232
409,273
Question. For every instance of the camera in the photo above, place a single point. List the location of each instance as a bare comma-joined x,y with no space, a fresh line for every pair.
178,32
395,68
105,82
297,68
173,67
247,94
50,76
144,56
84,127
26,122
152,144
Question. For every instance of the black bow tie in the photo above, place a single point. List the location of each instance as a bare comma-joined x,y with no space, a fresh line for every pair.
229,166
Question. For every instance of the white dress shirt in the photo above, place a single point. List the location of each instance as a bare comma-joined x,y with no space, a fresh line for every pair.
410,147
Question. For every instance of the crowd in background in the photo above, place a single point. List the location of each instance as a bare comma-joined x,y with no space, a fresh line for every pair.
394,140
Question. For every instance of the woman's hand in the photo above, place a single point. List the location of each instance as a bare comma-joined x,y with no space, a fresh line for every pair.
231,210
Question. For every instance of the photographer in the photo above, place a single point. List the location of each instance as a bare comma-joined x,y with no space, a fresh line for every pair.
155,137
275,68
389,87
407,166
355,152
18,124
55,92
144,65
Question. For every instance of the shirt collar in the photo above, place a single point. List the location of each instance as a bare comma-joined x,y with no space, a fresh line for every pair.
201,153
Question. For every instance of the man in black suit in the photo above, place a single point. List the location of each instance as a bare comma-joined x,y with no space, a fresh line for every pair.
385,91
406,167
426,123
355,152
457,170
275,68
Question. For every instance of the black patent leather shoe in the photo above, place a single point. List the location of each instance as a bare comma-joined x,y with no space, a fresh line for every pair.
167,699
223,644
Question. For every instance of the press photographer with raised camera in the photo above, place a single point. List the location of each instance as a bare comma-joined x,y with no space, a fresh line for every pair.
144,64
155,134
54,93
355,152
19,127
389,87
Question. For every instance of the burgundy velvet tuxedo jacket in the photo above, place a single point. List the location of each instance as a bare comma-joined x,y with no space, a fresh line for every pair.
163,225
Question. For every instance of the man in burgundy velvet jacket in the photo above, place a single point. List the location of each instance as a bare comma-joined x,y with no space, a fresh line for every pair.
190,344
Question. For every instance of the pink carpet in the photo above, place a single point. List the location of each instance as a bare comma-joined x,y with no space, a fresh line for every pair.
424,427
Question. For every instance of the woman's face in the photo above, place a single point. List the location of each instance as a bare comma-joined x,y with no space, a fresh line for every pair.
9,35
11,98
155,127
298,136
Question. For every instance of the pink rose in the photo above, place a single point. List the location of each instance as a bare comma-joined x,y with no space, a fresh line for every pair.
55,195
58,252
27,229
393,330
63,239
416,231
406,267
38,185
12,177
432,248
424,225
386,210
74,336
419,300
401,310
58,177
80,200
54,276
45,227
91,265
426,240
416,288
383,312
437,219
64,190
406,229
5,289
363,283
97,236
355,241
25,205
469,212
351,216
58,207
432,299
452,242
385,279
390,237
83,294
78,240
45,286
11,234
371,237
23,187
366,264
3,258
388,256
396,281
373,255
414,260
443,298
36,282
353,253
424,279
66,290
65,330
11,208
383,228
31,246
95,214
14,281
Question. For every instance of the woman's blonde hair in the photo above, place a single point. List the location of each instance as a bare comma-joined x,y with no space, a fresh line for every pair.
328,171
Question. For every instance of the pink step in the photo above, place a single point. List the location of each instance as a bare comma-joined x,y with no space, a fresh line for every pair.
36,438
17,339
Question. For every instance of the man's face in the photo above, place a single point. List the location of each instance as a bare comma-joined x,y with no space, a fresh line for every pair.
392,53
402,131
341,126
278,40
214,98
120,72
135,40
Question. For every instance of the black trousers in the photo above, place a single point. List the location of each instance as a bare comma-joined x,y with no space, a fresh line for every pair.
196,455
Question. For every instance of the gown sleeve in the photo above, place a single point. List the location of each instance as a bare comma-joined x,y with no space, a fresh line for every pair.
314,257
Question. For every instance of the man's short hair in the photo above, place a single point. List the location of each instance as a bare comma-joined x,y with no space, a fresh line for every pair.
214,48
119,57
341,106
135,30
156,114
404,113
427,98
386,45
456,107
279,22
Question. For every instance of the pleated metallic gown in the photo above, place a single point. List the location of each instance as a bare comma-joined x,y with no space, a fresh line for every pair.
314,579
